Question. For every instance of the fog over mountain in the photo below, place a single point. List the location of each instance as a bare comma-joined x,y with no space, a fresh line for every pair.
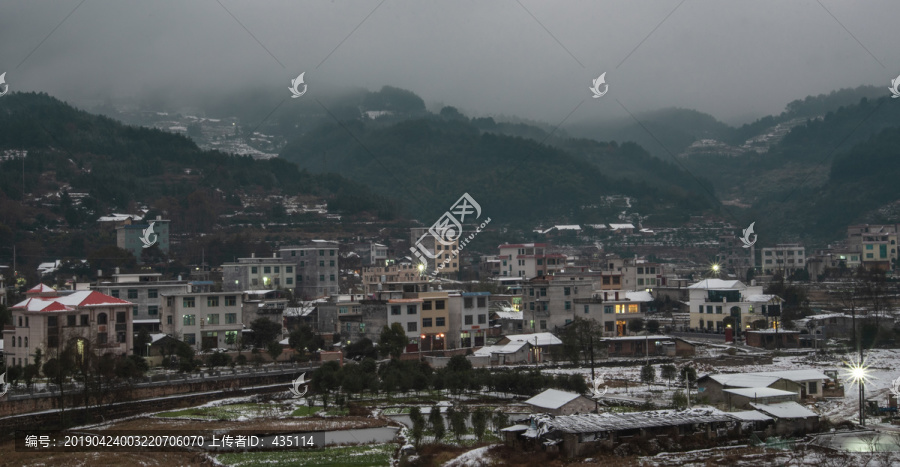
734,60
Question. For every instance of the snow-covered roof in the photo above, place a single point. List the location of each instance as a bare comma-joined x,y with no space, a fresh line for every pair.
515,428
552,399
299,311
515,315
653,337
40,288
156,337
539,339
784,410
795,375
145,321
717,284
621,226
115,217
594,423
754,393
81,298
744,380
750,416
759,298
510,348
642,296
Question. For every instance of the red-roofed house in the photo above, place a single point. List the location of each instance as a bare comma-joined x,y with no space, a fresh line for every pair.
47,319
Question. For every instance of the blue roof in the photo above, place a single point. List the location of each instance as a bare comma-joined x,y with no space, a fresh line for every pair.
475,294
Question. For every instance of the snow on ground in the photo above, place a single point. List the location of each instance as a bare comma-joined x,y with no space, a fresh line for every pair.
474,458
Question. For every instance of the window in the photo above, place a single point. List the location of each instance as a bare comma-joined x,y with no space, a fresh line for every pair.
152,293
322,277
120,337
114,293
330,252
267,269
26,341
640,281
288,280
254,281
718,310
189,320
567,291
411,326
568,305
467,319
438,304
84,320
426,305
134,310
190,338
411,309
321,252
531,292
254,270
70,320
212,318
543,324
482,302
331,278
101,338
331,263
608,309
482,319
132,293
120,316
709,309
231,336
169,319
230,318
587,309
188,302
277,269
426,322
468,302
322,263
101,318
543,291
212,301
440,321
395,309
230,300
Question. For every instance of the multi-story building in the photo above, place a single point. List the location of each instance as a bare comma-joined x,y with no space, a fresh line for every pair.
784,258
381,277
317,268
421,238
614,310
131,236
406,312
549,300
259,274
641,275
48,320
435,320
145,292
529,260
469,319
378,254
205,320
713,300
876,244
268,304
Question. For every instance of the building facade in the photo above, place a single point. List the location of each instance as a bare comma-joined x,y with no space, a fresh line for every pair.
208,320
317,268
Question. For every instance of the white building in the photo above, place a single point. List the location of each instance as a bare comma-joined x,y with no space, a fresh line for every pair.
712,300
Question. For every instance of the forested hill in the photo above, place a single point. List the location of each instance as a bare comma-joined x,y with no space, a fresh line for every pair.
431,160
121,166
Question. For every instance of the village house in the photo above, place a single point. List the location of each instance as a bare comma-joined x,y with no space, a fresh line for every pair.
715,304
556,402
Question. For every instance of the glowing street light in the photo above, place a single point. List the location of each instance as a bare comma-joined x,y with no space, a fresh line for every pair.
857,372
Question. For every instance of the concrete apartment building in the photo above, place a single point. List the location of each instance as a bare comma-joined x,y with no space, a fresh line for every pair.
470,315
785,258
204,320
406,312
48,320
529,260
317,268
377,278
549,300
712,300
145,292
268,304
259,274
420,238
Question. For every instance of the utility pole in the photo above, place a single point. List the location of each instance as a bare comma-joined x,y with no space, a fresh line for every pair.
592,357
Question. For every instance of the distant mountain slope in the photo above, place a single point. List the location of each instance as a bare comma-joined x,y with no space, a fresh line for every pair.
431,161
118,164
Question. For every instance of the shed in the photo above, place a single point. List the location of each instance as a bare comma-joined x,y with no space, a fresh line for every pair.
740,398
556,402
791,418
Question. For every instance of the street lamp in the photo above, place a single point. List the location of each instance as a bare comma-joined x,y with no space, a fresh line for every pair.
857,372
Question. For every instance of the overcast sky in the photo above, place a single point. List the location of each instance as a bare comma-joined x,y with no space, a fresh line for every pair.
736,60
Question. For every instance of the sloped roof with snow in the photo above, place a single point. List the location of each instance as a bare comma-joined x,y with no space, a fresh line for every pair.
83,298
762,298
795,375
744,380
594,423
751,416
510,348
784,410
540,338
515,315
760,392
552,399
40,288
621,226
642,296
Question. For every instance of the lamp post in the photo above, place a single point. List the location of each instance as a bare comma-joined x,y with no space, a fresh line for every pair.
857,373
